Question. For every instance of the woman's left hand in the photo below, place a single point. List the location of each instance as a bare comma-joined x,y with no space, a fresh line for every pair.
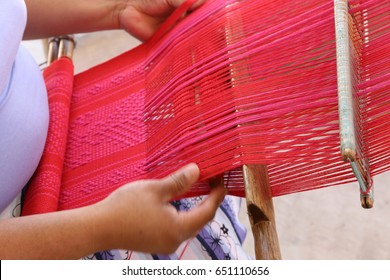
141,18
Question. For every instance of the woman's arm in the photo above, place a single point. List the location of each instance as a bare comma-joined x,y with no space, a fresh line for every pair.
137,216
47,18
140,18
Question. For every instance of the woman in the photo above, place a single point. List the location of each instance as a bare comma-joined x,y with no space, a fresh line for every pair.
137,216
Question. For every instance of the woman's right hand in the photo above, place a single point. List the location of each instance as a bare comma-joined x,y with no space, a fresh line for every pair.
138,216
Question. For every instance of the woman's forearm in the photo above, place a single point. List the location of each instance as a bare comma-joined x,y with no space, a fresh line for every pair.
136,216
47,18
60,235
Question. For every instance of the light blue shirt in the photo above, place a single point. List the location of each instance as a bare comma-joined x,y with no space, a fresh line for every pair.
24,115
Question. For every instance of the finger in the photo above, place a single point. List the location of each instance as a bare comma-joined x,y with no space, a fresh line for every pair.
138,24
194,220
176,3
197,4
179,182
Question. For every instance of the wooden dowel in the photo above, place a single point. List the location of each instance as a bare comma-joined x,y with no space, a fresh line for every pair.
261,212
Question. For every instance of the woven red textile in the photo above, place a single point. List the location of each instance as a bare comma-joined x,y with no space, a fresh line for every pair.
233,83
44,187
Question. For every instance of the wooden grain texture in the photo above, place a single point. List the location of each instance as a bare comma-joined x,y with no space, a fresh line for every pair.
261,212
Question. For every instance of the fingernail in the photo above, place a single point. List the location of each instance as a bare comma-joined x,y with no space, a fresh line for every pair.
191,171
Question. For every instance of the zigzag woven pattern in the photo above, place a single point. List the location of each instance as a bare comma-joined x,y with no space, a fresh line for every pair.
233,83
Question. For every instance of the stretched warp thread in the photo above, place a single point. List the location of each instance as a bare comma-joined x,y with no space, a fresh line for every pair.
233,83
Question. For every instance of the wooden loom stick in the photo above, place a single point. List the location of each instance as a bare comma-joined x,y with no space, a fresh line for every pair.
255,176
261,212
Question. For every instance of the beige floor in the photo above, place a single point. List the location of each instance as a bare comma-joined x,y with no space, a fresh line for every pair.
323,224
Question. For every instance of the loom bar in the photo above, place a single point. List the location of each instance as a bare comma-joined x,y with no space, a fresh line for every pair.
66,47
348,136
344,82
60,47
52,52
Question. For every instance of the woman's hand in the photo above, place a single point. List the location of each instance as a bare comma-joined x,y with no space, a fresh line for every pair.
140,217
137,216
141,18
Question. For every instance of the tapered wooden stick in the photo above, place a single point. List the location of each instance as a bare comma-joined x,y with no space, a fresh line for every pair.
261,212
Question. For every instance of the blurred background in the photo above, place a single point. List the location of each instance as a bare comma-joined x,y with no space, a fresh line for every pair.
322,224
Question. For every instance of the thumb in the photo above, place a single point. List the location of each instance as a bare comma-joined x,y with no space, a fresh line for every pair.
179,182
